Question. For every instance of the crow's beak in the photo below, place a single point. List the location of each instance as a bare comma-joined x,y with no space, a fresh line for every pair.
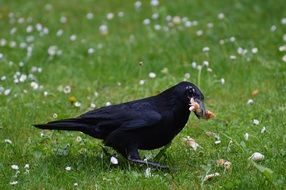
198,107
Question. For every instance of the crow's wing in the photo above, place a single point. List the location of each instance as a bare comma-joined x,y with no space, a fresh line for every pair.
127,116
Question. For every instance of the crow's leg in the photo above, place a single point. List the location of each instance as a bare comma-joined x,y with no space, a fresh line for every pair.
133,156
162,152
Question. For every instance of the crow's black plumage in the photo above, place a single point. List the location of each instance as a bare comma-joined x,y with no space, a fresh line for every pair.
145,124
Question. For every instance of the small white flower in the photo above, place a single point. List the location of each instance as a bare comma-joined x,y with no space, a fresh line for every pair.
177,20
21,20
39,27
45,30
78,139
210,25
255,122
206,49
157,27
148,173
154,3
73,37
34,85
233,57
199,67
13,30
206,63
12,44
113,160
282,48
142,82
75,184
250,102
217,142
168,18
15,167
29,29
48,7
188,24
103,29
155,16
63,19
7,92
1,89
68,168
3,42
232,39
194,64
46,93
109,16
283,20
146,21
222,81
92,105
120,14
23,78
89,16
59,32
13,182
55,115
137,4
199,32
220,16
256,156
8,141
254,50
77,104
246,136
52,50
284,58
27,166
152,75
90,51
67,89
108,104
263,130
273,28
187,75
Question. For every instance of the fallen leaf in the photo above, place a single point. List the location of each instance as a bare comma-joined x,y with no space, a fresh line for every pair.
256,156
224,163
210,176
190,142
255,92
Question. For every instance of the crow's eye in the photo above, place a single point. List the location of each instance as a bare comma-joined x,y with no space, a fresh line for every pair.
190,91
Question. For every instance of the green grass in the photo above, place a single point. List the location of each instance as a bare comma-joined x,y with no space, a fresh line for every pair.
114,72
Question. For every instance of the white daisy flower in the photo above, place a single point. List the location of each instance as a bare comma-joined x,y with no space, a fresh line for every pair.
152,75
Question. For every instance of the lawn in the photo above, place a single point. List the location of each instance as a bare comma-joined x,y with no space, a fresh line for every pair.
59,59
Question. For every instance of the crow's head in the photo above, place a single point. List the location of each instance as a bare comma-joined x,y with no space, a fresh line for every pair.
190,93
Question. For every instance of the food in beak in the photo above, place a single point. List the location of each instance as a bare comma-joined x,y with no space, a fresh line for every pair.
209,115
194,106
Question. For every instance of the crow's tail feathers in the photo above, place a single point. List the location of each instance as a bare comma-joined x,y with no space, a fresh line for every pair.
72,124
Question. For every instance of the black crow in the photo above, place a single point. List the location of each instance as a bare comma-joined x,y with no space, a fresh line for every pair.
145,124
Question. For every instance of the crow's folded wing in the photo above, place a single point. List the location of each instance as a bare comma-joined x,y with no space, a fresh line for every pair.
147,118
126,116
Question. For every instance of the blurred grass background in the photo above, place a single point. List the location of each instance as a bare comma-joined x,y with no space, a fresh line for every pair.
169,47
